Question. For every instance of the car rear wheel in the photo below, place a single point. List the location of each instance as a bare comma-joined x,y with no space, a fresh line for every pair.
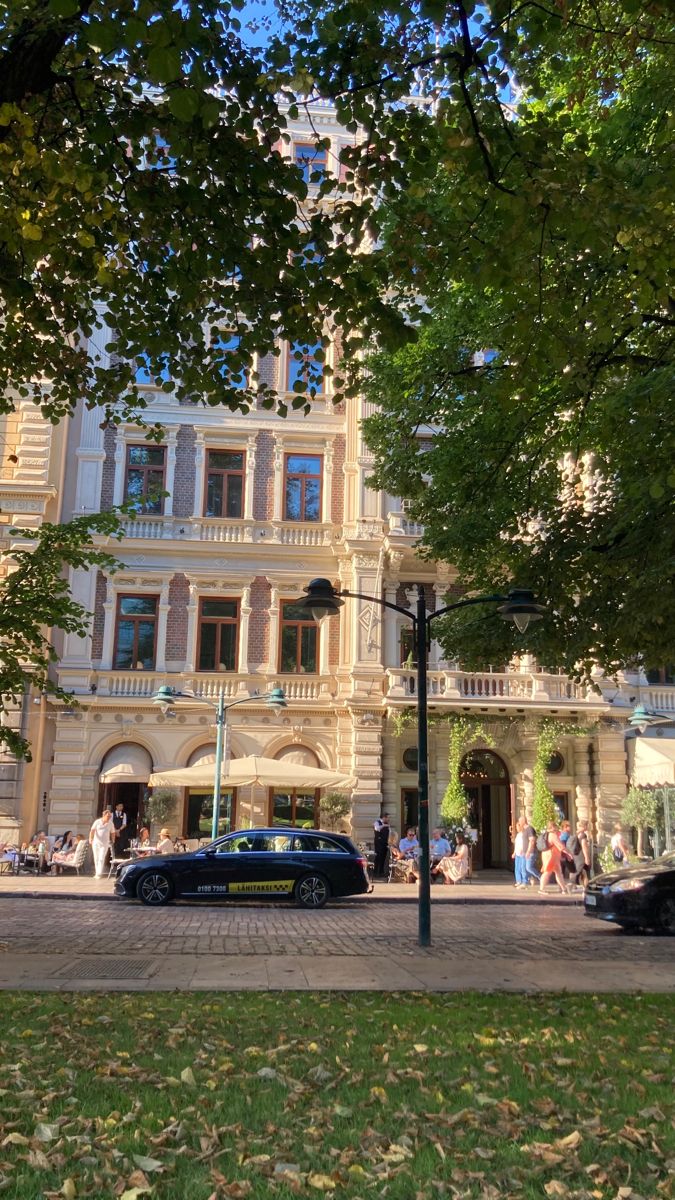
665,916
312,891
154,888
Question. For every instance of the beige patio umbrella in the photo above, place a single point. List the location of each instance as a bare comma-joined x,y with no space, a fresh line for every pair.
240,772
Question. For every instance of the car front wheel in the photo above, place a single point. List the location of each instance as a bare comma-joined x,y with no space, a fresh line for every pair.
312,891
154,888
665,916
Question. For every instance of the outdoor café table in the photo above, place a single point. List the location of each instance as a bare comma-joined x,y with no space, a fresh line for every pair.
134,852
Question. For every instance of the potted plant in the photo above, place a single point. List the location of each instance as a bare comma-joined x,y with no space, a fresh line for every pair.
333,808
159,808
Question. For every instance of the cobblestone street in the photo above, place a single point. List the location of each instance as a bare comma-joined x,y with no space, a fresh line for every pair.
56,942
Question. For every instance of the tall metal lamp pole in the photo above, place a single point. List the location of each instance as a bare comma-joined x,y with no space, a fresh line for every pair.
322,600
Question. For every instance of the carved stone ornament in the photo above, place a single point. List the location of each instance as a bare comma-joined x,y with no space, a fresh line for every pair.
366,562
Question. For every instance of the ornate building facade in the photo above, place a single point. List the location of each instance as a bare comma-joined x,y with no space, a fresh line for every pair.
235,515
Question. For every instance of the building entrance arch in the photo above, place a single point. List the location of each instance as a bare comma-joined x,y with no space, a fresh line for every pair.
485,778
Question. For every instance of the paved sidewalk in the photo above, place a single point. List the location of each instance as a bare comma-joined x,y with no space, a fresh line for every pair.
488,887
416,972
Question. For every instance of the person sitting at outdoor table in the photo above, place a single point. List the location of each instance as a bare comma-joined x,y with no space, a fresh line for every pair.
63,857
35,854
65,843
143,842
408,850
165,844
456,866
439,848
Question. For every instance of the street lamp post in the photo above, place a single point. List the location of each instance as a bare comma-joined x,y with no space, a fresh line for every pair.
167,699
322,600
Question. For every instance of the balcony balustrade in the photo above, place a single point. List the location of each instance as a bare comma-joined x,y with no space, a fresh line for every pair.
212,529
492,687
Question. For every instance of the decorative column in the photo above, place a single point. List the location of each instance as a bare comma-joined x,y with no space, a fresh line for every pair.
391,630
120,464
171,435
442,770
192,613
200,467
274,629
612,779
108,627
367,767
249,483
582,780
327,504
278,460
163,613
244,618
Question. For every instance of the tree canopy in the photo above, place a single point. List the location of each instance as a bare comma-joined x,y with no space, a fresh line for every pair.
34,599
142,175
530,202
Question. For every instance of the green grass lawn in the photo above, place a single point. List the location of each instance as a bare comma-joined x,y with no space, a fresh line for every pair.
400,1096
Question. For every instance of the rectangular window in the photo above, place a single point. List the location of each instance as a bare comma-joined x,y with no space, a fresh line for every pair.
151,375
408,649
224,483
299,640
311,162
135,633
226,353
199,816
218,629
295,808
305,367
302,487
144,481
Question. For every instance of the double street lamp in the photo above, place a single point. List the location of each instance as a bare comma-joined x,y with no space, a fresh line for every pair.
168,699
519,606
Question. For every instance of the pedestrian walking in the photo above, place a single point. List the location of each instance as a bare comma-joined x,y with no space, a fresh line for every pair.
100,837
620,848
579,846
551,860
518,856
531,874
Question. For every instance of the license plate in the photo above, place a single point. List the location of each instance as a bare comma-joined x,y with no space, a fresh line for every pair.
591,901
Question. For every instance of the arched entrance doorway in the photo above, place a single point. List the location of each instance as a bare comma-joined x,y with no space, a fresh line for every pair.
486,780
198,816
297,806
125,771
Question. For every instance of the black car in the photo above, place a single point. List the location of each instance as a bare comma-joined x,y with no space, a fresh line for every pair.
641,897
306,865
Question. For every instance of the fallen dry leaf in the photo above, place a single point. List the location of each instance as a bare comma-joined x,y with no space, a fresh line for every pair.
555,1188
323,1183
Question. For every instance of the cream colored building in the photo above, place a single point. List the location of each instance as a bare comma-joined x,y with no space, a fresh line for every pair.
203,601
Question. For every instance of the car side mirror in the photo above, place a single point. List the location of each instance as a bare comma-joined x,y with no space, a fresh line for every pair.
209,854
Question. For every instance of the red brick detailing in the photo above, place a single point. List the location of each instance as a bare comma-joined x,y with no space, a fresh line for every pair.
337,504
259,624
333,635
268,370
99,617
184,479
177,619
108,475
263,483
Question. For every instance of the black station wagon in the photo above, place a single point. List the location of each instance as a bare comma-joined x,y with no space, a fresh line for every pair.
305,865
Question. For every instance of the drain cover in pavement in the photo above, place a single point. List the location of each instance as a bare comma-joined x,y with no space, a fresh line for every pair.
108,968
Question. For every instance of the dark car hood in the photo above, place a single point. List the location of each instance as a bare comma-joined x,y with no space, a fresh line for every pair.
160,860
656,866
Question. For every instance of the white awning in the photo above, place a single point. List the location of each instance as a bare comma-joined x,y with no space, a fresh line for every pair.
653,762
126,763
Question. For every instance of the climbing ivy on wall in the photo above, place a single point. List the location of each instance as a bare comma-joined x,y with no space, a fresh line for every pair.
462,732
550,731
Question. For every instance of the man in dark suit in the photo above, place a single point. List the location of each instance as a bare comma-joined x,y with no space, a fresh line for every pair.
381,844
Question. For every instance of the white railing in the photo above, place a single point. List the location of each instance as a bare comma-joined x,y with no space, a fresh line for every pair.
303,535
400,525
489,686
662,699
221,531
298,687
148,527
133,684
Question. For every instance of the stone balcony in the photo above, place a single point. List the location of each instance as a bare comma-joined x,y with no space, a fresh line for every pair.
493,689
217,531
141,686
400,528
